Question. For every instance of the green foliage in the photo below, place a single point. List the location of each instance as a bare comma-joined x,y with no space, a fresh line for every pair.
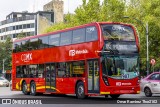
5,53
59,26
83,13
21,35
147,11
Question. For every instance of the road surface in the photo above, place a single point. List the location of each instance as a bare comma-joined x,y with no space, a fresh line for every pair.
71,101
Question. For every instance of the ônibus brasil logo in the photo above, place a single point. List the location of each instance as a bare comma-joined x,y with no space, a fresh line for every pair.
76,52
26,57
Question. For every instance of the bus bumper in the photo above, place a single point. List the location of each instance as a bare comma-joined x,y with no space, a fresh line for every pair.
121,90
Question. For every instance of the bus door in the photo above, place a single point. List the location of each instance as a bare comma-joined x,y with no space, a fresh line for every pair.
93,76
50,77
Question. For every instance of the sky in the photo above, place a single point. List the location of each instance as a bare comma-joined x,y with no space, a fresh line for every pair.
8,6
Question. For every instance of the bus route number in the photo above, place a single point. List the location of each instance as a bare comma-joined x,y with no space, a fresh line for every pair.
90,29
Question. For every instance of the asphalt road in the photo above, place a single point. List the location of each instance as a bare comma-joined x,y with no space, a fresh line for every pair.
138,100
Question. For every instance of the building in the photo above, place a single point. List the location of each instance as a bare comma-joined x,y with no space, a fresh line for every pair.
57,7
25,23
28,24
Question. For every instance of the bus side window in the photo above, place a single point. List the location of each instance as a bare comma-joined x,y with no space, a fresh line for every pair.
18,71
91,33
25,71
64,69
66,38
18,47
43,42
23,45
41,70
78,69
14,48
78,36
68,69
34,43
54,40
61,69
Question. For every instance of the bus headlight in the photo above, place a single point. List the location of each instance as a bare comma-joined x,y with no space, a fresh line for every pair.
105,80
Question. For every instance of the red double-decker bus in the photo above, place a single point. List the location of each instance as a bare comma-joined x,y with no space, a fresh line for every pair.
93,59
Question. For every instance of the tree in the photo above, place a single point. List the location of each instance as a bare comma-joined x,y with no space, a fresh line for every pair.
5,54
148,12
21,35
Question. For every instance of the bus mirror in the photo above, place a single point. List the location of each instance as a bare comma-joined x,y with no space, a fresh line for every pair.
99,54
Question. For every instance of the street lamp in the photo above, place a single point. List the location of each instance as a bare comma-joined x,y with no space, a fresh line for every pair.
146,31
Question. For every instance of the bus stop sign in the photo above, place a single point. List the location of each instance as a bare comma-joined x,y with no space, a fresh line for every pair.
153,62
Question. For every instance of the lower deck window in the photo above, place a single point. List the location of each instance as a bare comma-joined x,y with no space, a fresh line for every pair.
63,69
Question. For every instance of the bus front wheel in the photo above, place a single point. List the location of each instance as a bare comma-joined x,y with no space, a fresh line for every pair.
33,88
24,88
114,96
80,90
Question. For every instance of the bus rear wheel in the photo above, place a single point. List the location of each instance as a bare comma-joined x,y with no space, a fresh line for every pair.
33,88
80,90
24,88
115,96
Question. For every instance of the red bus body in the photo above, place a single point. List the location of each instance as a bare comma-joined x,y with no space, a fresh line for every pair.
88,52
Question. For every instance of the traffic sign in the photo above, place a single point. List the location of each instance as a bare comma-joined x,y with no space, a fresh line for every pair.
153,61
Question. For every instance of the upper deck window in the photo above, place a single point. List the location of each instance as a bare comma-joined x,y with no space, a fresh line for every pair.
34,43
43,42
24,45
66,38
78,36
17,47
91,33
118,32
54,40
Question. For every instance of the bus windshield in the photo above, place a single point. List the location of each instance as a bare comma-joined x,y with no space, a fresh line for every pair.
118,32
119,67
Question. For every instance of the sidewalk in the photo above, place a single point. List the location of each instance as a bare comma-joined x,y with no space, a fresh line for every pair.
5,91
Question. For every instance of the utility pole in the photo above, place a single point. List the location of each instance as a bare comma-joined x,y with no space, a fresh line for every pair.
3,66
147,48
